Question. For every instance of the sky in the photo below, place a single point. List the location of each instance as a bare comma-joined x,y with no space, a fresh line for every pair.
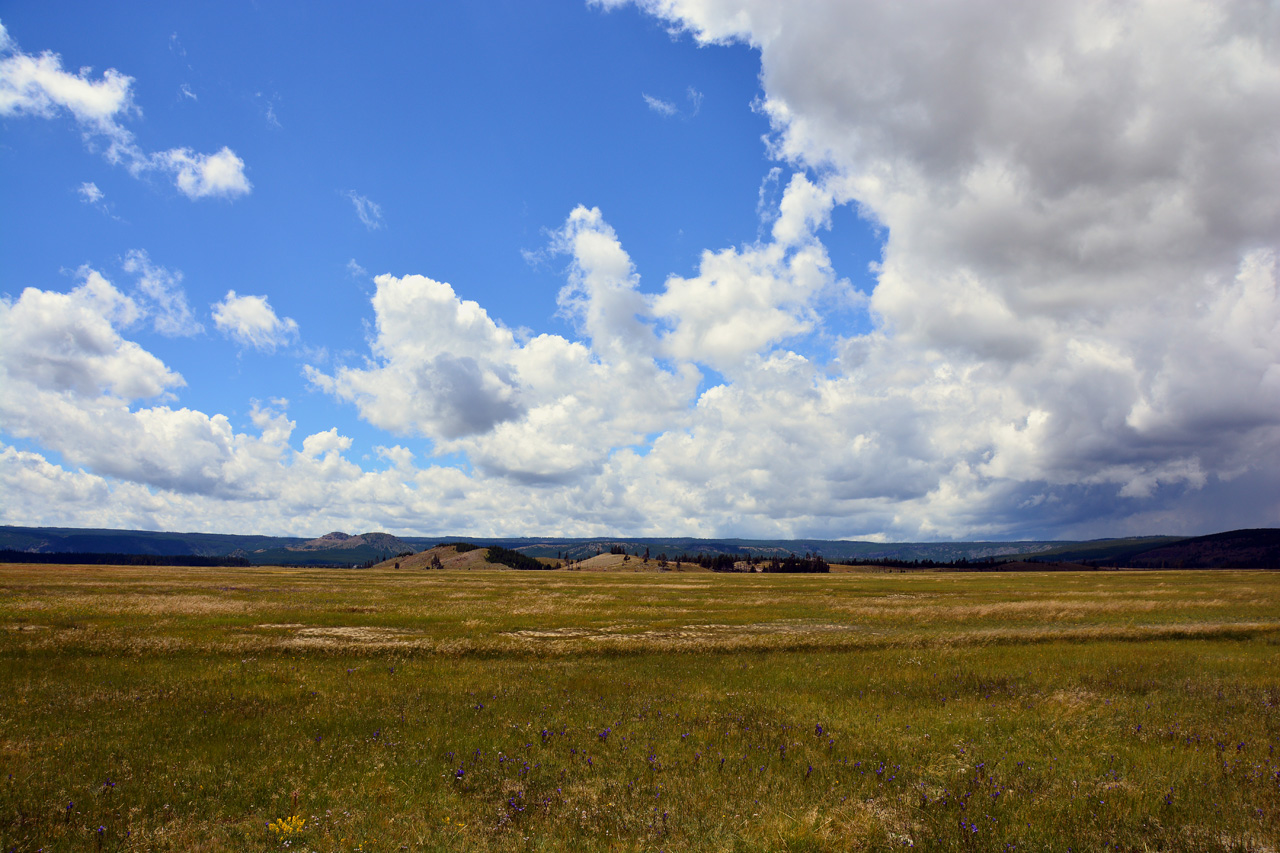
848,269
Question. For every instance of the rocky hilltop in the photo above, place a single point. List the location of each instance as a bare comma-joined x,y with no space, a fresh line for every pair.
339,540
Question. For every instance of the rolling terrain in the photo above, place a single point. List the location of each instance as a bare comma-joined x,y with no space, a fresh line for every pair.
1237,549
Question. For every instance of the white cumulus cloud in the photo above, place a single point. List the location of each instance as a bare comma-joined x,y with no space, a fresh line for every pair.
251,322
39,86
219,175
744,300
1077,202
68,343
546,410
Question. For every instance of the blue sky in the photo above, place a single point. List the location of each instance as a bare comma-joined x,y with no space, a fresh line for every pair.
666,268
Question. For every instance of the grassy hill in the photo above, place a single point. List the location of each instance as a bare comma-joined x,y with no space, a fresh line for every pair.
1236,549
1110,550
452,556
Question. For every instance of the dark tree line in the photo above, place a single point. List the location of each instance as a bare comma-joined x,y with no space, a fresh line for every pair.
791,564
1019,562
95,559
514,559
808,564
893,563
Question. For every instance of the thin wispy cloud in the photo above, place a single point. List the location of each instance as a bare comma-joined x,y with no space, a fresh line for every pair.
668,109
89,193
659,106
368,210
160,291
268,104
695,101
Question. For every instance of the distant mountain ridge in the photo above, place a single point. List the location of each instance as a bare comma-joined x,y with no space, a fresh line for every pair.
1240,548
332,549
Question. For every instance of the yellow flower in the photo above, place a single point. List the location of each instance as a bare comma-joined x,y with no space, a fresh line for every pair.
287,826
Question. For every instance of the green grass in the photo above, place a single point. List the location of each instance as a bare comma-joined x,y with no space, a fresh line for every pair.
188,709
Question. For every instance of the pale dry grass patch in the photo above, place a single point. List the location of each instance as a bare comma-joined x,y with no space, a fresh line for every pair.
1208,838
27,605
1053,609
862,824
358,633
554,633
1074,701
534,609
154,645
353,637
173,605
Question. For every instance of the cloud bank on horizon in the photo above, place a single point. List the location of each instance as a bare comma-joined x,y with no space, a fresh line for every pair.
1073,327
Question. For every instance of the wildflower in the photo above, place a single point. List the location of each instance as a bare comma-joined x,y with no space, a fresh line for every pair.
286,827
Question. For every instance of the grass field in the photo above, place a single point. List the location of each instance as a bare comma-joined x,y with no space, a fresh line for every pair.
332,710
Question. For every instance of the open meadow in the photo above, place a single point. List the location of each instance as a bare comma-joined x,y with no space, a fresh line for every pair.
337,710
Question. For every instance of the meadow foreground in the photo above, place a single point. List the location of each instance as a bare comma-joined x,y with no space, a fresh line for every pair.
331,710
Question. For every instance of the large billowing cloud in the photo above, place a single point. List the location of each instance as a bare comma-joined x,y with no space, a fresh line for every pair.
1081,217
74,384
1077,325
1074,330
544,410
70,379
39,86
745,300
